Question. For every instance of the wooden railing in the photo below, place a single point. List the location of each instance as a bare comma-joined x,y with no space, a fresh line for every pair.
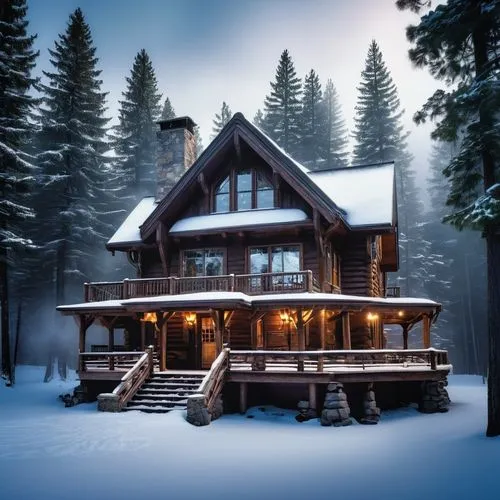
321,361
205,397
299,281
133,379
100,361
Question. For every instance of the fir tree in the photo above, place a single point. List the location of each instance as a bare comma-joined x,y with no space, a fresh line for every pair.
334,139
168,112
312,122
72,207
258,120
221,119
17,59
459,42
380,137
136,139
199,141
282,106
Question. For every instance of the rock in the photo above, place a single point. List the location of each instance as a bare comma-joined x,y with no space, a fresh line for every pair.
303,405
335,396
334,386
334,405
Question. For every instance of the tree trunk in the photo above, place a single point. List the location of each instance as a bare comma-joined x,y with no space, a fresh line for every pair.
4,320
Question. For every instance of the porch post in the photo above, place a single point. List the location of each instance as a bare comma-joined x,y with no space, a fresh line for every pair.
83,331
322,329
426,331
163,346
219,329
301,338
111,346
405,336
143,335
346,330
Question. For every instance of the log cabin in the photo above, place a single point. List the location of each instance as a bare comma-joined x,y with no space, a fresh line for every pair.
255,280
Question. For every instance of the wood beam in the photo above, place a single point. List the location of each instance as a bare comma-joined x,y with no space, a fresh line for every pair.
405,335
143,335
243,397
317,232
203,183
426,331
237,145
218,319
312,396
163,346
162,243
346,330
302,338
322,328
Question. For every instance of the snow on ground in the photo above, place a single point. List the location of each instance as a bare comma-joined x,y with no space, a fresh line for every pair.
48,451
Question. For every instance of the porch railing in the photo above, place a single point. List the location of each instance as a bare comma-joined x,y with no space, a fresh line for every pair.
393,291
104,361
323,361
286,282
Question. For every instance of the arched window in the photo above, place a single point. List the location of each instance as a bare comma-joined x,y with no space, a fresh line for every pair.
243,190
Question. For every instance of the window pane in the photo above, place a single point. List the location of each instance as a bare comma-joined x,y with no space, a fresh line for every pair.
291,259
223,186
245,200
222,202
277,260
263,183
214,262
259,261
265,198
244,181
193,263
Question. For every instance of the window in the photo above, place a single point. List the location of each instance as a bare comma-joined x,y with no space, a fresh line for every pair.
243,190
332,266
203,262
275,259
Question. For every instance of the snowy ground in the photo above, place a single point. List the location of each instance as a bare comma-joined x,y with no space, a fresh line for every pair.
48,451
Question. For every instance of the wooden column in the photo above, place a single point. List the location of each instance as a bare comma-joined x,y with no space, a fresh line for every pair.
243,397
312,396
302,339
143,335
405,336
426,331
85,322
322,329
163,346
346,330
111,346
218,319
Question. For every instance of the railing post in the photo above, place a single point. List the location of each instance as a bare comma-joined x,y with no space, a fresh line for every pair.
321,362
231,282
309,281
433,360
86,292
149,350
125,289
111,362
173,286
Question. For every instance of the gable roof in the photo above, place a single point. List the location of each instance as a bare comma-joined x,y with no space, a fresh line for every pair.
361,197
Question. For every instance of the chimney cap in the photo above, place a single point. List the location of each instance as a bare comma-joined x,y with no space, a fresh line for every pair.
176,123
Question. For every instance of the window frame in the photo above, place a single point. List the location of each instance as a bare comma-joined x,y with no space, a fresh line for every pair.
269,256
232,176
203,249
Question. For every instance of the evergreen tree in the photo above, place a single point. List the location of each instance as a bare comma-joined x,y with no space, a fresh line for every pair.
17,59
258,119
136,139
282,106
72,222
334,139
380,137
221,119
312,122
199,141
459,42
168,112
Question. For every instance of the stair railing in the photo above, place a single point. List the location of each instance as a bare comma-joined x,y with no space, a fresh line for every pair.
129,384
201,405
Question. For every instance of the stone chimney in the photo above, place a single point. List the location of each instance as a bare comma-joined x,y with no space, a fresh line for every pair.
176,152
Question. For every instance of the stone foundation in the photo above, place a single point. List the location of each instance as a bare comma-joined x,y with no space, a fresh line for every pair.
435,397
108,402
336,409
371,413
305,411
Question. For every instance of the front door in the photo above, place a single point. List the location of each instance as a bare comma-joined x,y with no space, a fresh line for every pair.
207,334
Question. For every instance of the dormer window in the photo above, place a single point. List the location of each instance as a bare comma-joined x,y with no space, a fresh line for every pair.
243,190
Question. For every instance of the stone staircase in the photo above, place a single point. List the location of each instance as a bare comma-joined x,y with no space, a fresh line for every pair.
166,391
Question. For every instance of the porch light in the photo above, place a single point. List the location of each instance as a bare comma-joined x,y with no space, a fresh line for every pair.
190,318
150,317
401,314
371,317
284,316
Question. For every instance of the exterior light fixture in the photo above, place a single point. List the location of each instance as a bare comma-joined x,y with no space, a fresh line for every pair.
371,317
284,316
190,318
401,314
150,317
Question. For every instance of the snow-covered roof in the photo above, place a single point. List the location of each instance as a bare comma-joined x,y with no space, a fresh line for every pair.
365,193
239,219
129,232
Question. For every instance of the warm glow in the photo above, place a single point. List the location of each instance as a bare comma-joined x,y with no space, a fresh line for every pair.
150,316
285,317
401,314
371,316
190,318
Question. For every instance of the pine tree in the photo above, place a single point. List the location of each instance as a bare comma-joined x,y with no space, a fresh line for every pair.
72,206
199,141
312,122
136,139
168,112
17,59
380,137
334,139
258,120
221,119
459,43
282,106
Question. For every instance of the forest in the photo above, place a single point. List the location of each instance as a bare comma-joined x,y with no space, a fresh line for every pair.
68,178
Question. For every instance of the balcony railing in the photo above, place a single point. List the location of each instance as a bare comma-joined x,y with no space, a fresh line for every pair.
393,291
251,284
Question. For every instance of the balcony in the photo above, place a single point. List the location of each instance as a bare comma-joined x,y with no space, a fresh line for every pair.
251,284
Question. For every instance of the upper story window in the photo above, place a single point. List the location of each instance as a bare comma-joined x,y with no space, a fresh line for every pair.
203,262
243,190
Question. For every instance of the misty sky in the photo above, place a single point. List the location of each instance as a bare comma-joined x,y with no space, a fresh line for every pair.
207,51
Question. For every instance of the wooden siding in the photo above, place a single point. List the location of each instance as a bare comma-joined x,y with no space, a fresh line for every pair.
355,267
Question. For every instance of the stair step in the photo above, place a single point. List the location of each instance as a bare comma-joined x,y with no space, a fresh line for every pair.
163,403
149,409
147,387
161,396
174,383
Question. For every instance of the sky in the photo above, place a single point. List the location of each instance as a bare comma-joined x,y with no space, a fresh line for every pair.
208,51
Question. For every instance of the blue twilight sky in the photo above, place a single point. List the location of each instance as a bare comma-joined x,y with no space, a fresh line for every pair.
207,51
